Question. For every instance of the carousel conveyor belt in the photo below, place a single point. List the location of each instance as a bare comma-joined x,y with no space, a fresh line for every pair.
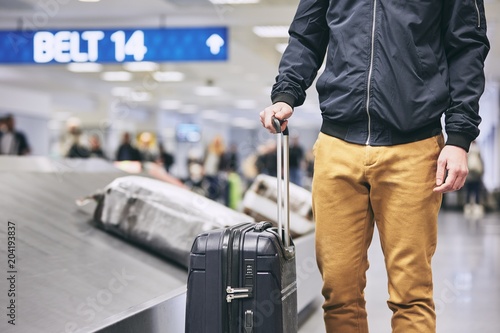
73,277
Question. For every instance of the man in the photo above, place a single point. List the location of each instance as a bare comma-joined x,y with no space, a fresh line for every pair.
12,142
95,147
127,152
76,149
165,157
392,69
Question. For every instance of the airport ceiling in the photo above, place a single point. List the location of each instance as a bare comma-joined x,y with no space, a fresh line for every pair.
242,83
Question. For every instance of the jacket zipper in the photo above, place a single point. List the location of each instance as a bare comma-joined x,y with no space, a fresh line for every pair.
370,73
478,14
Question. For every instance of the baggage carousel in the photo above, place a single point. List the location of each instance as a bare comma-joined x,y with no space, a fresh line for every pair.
73,277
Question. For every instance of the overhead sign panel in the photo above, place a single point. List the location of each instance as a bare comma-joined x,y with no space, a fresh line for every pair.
114,46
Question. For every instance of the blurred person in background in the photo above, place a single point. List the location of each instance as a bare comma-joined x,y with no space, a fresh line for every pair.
473,182
266,162
76,148
212,169
95,147
146,147
229,167
196,180
296,155
12,142
165,158
126,151
229,161
309,170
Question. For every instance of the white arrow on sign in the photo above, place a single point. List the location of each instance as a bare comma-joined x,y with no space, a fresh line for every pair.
215,43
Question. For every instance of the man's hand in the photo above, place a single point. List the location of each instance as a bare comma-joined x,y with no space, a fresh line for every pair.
454,161
281,111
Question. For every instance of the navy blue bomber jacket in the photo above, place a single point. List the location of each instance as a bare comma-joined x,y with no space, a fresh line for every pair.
393,67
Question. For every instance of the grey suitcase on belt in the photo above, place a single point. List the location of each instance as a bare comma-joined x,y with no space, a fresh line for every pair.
242,279
159,216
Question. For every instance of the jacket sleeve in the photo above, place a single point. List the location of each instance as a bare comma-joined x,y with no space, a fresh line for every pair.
466,46
304,54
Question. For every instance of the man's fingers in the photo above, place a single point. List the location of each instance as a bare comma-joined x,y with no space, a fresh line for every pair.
453,160
447,185
284,124
265,118
454,181
440,173
280,111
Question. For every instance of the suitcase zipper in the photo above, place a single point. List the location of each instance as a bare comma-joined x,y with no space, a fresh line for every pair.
232,275
237,293
233,259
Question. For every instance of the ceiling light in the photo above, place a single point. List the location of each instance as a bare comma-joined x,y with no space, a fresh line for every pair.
270,31
168,76
116,76
142,66
170,104
84,67
233,2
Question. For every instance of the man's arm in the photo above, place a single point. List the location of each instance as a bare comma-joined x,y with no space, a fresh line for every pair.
301,60
304,54
466,46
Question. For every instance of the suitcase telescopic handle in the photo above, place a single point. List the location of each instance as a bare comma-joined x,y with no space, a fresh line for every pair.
283,175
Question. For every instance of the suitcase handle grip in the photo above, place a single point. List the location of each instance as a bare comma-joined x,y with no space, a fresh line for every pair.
261,226
283,175
277,126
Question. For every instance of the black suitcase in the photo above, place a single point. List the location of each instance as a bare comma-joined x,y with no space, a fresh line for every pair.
242,279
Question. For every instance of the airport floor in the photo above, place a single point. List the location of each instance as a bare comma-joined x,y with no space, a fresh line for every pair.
466,279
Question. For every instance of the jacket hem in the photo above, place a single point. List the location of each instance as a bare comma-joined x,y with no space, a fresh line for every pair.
387,137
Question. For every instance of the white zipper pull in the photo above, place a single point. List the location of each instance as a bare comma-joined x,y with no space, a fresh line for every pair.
237,293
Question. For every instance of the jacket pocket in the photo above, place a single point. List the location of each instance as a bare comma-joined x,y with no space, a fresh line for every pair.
435,83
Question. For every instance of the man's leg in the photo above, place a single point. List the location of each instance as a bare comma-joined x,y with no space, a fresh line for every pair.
406,211
344,229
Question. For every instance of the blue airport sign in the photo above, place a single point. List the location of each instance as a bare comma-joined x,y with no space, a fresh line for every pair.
114,46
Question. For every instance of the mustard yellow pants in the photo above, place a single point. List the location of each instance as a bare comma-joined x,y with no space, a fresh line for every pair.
356,186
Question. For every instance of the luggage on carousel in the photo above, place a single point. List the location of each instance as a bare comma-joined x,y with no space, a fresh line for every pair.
160,216
242,279
259,202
